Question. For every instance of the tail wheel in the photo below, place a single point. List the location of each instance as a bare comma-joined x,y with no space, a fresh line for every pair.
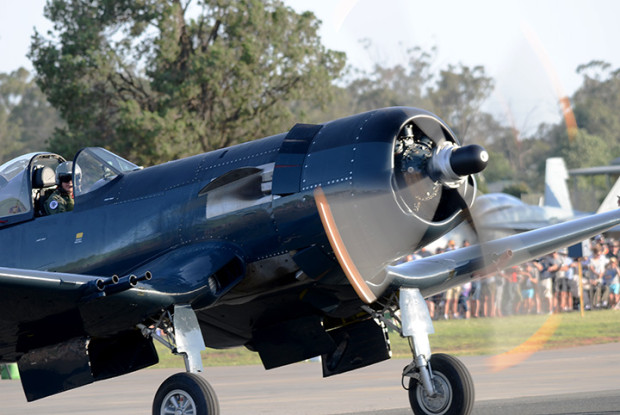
454,386
185,394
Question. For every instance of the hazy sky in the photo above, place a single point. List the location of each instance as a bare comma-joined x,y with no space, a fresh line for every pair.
530,47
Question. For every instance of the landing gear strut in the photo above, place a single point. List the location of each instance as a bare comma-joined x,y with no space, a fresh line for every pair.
183,393
439,384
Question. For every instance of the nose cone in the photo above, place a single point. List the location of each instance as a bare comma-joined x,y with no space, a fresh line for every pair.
469,159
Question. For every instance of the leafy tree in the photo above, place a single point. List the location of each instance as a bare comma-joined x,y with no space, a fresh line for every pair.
585,150
458,95
9,145
579,149
391,86
499,168
161,79
26,118
455,95
596,104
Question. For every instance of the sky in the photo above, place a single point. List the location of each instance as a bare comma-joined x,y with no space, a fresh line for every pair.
530,47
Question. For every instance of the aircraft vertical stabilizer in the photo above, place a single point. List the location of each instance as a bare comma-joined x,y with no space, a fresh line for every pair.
556,190
611,200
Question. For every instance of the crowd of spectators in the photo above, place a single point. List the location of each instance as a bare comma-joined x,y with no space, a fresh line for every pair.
543,286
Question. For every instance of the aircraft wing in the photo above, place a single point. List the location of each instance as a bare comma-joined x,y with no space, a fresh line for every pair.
48,320
29,296
437,273
515,226
60,286
57,323
39,308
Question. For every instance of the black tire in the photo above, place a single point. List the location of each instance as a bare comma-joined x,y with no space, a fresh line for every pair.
453,383
188,392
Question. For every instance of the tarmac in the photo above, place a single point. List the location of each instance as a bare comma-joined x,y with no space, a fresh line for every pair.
580,380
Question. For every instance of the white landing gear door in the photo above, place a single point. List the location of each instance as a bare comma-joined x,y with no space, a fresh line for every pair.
416,320
188,336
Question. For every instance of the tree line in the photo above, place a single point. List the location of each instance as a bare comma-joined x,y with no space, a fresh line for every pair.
155,80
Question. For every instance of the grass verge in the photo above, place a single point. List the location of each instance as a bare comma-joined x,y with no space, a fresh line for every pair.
487,336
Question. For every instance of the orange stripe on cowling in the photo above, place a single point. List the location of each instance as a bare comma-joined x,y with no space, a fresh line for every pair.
347,264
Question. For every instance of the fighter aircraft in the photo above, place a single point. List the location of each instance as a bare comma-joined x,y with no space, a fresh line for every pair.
288,245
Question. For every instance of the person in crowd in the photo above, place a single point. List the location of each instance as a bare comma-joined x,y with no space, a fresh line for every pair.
611,279
452,303
528,279
474,298
614,249
558,272
463,303
451,245
597,264
588,293
488,292
536,268
572,276
546,282
423,252
562,280
602,244
512,290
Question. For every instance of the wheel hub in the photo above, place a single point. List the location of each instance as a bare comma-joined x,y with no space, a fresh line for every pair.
440,402
178,402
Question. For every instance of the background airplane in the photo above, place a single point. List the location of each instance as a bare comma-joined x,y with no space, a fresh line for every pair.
286,245
502,214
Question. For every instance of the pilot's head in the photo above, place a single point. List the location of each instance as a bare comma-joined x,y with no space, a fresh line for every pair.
64,177
63,172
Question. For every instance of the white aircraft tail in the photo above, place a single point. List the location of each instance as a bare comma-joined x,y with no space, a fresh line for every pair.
611,200
556,189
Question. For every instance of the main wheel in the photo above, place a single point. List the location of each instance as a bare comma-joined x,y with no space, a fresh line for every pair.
453,384
185,394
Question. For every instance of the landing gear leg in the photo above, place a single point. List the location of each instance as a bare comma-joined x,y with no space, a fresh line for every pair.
439,384
183,393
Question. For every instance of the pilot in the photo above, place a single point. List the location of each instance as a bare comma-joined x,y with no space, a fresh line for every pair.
62,199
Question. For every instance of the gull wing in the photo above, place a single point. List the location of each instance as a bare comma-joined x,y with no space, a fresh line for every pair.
440,272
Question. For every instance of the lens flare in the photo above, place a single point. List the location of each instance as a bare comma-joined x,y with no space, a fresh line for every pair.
523,351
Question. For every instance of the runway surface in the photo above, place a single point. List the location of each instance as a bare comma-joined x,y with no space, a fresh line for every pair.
583,380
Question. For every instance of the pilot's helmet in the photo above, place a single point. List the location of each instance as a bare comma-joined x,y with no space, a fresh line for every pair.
63,172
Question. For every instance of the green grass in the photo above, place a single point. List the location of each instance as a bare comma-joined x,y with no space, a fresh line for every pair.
237,356
487,336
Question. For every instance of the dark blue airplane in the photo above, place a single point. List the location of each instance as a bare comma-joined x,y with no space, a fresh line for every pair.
290,245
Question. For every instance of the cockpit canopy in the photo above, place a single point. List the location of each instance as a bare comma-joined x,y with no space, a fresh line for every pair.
18,193
26,180
94,167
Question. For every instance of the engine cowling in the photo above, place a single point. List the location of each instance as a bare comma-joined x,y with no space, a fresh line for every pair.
386,183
